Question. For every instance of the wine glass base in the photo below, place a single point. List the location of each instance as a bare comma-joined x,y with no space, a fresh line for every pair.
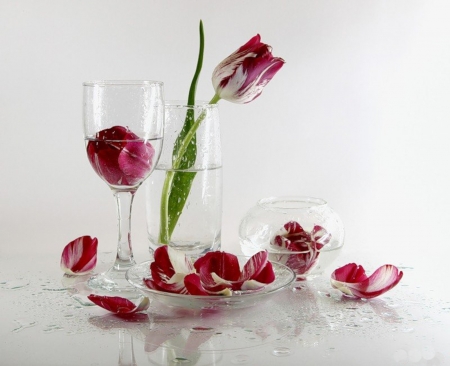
111,281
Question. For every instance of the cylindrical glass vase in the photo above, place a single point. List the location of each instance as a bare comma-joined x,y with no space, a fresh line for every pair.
184,193
303,233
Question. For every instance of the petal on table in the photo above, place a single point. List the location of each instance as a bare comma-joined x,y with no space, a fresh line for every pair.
382,280
119,305
79,256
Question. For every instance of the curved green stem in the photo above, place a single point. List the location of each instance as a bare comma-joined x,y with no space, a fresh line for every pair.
190,135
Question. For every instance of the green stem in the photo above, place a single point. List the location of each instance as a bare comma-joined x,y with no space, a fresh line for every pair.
164,234
189,136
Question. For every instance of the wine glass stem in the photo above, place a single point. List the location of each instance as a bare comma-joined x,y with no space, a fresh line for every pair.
124,258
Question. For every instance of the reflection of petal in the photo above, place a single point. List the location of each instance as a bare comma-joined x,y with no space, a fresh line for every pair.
386,313
109,321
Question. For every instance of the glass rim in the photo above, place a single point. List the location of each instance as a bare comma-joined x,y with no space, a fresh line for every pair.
275,202
92,83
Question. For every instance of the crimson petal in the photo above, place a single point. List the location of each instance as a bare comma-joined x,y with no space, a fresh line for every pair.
352,280
79,256
119,305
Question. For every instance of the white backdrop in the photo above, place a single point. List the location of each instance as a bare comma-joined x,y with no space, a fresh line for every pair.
358,115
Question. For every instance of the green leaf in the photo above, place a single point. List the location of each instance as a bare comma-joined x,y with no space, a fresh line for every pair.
178,184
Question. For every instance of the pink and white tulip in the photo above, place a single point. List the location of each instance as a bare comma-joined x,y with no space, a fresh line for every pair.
242,76
79,257
352,280
119,305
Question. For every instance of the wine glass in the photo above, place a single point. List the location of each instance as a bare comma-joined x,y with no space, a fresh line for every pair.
123,131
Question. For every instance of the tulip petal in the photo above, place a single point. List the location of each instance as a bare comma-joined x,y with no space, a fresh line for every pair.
168,270
135,160
119,305
79,256
119,156
352,280
194,285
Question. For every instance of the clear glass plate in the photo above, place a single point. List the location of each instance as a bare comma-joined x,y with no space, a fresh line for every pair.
284,276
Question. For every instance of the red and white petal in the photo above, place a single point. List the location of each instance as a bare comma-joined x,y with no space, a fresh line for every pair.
79,256
351,273
254,266
194,285
180,262
119,305
381,281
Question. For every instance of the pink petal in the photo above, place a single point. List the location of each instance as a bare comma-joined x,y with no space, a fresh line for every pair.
135,160
79,256
168,270
119,156
194,285
119,305
383,279
224,265
254,266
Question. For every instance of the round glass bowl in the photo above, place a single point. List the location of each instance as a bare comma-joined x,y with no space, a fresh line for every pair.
303,233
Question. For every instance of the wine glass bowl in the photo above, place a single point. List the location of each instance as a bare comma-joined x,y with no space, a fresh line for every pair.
123,131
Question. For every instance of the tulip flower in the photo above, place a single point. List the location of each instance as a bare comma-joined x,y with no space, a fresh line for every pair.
304,245
79,256
120,157
239,78
242,76
119,305
352,280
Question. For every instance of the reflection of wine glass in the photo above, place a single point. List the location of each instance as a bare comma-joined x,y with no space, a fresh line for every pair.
123,126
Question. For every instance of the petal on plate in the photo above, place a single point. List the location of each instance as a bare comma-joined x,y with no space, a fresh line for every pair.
381,281
79,256
194,285
254,266
224,266
119,305
168,270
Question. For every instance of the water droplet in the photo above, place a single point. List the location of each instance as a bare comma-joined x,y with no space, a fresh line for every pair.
240,359
24,324
281,351
14,285
181,360
201,329
408,330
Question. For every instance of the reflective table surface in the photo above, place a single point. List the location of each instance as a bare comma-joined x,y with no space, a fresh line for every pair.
46,319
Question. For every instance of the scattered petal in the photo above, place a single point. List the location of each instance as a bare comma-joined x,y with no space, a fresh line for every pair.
352,280
79,256
119,305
